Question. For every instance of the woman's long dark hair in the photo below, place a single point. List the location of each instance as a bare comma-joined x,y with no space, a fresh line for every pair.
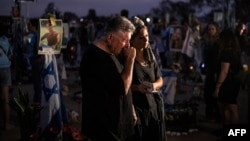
205,33
139,25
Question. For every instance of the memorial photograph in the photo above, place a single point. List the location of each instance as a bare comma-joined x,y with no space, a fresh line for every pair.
176,38
50,39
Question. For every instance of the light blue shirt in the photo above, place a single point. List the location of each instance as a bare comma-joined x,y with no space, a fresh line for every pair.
32,45
5,49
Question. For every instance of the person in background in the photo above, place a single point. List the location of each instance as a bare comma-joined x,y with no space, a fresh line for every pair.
157,44
170,55
198,58
146,87
241,31
35,59
210,52
107,109
227,86
5,77
241,35
15,12
176,40
125,13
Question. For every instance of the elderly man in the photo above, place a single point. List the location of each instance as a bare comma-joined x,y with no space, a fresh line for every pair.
108,112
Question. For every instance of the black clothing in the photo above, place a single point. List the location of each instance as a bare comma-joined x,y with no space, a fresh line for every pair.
37,64
106,110
230,87
149,107
211,64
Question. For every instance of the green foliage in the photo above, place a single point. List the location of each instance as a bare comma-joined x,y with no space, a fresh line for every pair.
28,115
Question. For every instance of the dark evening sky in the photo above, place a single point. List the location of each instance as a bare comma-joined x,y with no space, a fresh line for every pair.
81,7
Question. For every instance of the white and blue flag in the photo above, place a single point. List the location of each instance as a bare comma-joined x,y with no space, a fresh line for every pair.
188,45
51,116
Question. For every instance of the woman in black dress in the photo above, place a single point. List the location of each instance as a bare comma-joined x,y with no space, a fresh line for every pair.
227,86
146,84
210,53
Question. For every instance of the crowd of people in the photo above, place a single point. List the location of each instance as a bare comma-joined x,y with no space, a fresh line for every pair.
219,49
121,76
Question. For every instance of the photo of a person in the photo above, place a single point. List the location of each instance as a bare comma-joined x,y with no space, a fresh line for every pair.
176,39
50,36
53,37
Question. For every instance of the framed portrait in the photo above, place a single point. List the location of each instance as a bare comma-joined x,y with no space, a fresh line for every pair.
50,37
176,38
65,38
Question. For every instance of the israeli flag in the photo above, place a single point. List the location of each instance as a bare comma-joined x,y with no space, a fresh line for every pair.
51,116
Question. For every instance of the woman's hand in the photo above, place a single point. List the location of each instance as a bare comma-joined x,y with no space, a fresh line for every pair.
142,88
134,115
149,85
135,119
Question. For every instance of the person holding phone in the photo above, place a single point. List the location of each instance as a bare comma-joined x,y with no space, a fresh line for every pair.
146,87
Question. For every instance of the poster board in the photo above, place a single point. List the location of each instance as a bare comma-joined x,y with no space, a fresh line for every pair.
176,38
50,37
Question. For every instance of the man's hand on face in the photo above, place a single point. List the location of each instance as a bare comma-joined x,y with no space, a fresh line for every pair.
129,53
